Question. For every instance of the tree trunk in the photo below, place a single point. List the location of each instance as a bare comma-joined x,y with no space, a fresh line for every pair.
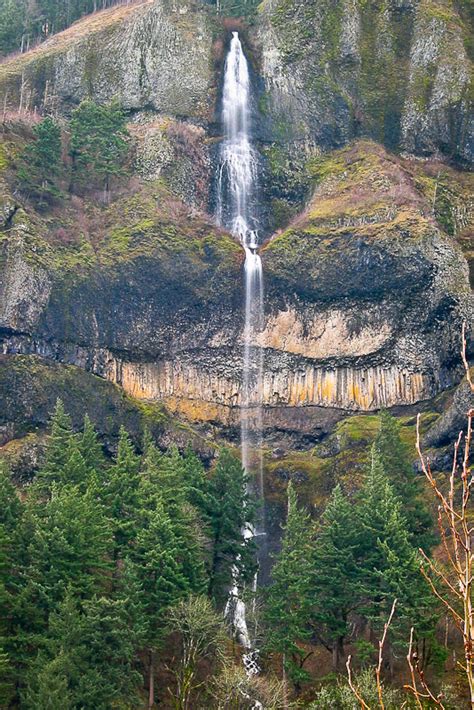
151,685
337,653
285,683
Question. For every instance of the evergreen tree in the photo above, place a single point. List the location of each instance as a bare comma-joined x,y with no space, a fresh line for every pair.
165,481
197,484
6,680
12,19
57,447
389,563
89,655
75,470
157,561
99,143
396,462
40,162
289,600
90,448
68,547
336,581
232,511
122,495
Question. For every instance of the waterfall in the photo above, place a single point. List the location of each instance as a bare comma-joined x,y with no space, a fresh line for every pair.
237,210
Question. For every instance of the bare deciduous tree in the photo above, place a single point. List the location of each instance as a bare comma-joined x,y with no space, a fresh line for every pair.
451,579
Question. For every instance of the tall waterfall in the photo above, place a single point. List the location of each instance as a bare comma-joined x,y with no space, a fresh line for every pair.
237,211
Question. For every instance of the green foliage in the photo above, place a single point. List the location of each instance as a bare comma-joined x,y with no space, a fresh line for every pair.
99,143
88,657
40,163
233,552
290,596
26,21
337,575
340,696
390,565
396,462
122,496
58,447
236,8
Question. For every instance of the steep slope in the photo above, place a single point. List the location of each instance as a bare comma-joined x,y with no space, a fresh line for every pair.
364,296
398,72
155,56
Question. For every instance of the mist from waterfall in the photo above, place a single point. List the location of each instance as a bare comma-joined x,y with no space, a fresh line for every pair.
237,210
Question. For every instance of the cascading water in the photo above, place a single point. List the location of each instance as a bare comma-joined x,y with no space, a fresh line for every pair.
237,211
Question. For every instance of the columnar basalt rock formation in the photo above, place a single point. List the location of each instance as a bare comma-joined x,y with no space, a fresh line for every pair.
366,277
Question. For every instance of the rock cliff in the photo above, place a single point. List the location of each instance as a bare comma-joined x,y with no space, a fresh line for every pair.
398,72
366,277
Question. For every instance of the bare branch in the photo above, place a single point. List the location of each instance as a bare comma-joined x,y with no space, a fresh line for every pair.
359,697
381,645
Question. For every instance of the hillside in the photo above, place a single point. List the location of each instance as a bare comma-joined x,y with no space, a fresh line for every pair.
272,277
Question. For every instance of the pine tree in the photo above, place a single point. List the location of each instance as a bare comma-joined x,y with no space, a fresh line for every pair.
75,470
40,163
336,581
156,558
396,462
99,143
68,547
88,654
165,481
90,448
232,511
289,600
197,484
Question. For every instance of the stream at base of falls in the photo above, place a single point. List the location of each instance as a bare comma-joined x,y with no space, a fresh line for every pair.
237,210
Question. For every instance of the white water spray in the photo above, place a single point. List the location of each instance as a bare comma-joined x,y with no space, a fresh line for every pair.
237,211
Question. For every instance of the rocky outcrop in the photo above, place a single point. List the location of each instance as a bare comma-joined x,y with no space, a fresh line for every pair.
398,72
452,421
30,387
157,55
364,298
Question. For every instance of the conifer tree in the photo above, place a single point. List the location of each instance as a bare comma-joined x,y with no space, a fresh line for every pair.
232,510
197,484
69,546
88,654
122,495
75,471
396,462
90,448
57,447
99,143
40,162
156,558
289,600
164,481
389,563
336,581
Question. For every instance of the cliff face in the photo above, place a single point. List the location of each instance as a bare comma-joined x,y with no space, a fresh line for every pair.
398,72
364,297
157,56
366,287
